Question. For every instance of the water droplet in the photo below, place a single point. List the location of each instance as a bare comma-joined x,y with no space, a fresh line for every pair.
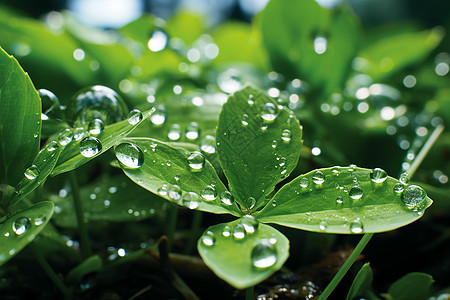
318,177
208,144
355,192
174,192
269,112
208,239
192,131
158,117
174,133
226,232
191,200
51,107
158,40
274,202
250,223
244,120
304,182
113,189
323,225
196,161
90,146
39,221
65,137
404,178
320,45
264,255
398,188
163,190
32,172
135,116
208,193
378,175
264,126
96,126
239,231
226,198
52,146
251,202
286,135
274,144
339,200
21,225
130,155
413,196
356,226
335,171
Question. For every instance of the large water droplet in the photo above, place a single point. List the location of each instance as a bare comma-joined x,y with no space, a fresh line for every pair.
196,161
208,239
304,182
269,112
355,192
174,192
208,144
130,155
158,117
209,193
413,196
174,133
96,126
226,198
32,172
250,223
51,107
90,146
21,225
65,137
286,135
264,255
191,200
318,177
356,226
378,175
226,232
135,116
192,131
239,232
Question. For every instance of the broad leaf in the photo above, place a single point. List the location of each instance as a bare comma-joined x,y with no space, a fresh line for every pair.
39,170
362,282
345,200
307,41
175,174
258,143
20,120
240,256
413,286
71,157
20,229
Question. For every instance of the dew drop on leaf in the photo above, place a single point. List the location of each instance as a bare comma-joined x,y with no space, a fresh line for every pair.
251,202
208,193
264,126
304,182
65,137
174,133
90,146
226,232
159,116
135,116
413,196
39,221
32,172
263,255
323,225
239,232
191,200
96,126
226,198
192,131
174,192
269,112
244,120
208,239
130,155
250,223
208,144
21,225
52,146
398,188
163,190
196,161
286,135
339,200
318,177
356,226
378,175
355,192
404,178
158,40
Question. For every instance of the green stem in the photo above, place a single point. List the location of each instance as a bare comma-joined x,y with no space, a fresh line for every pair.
249,293
194,232
82,230
172,221
346,266
50,272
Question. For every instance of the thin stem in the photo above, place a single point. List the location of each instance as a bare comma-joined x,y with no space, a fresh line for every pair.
82,230
172,224
194,232
249,293
346,266
50,272
425,149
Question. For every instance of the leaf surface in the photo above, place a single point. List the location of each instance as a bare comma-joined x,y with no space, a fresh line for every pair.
412,286
362,282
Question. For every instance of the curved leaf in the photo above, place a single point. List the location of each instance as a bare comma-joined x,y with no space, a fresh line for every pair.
335,206
362,282
256,149
71,157
166,172
14,236
412,286
20,120
236,260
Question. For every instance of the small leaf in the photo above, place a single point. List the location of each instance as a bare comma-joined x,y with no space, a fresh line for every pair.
71,157
362,282
345,200
20,120
44,163
240,257
177,175
20,229
412,286
258,144
90,265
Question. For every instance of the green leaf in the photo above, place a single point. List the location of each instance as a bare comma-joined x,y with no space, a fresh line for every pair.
361,283
412,286
71,157
256,148
20,120
247,261
166,171
45,161
103,200
90,265
185,26
328,207
289,32
22,228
